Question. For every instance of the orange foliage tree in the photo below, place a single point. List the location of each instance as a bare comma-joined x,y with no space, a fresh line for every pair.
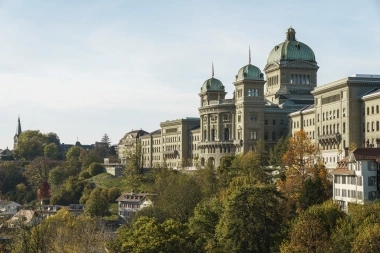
300,159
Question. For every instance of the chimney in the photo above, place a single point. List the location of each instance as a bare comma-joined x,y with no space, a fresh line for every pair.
377,142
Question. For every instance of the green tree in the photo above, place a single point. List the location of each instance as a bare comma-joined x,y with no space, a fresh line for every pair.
38,171
312,230
95,169
251,218
53,138
106,139
275,157
30,145
312,193
97,204
177,195
113,194
10,176
75,152
62,233
147,235
51,151
203,224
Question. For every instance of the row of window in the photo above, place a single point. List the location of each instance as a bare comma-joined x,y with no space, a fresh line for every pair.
349,193
253,92
342,179
273,80
299,79
332,114
371,126
274,122
372,110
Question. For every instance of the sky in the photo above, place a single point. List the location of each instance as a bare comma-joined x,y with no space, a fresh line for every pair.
85,68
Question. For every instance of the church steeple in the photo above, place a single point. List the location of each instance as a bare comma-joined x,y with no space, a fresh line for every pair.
18,132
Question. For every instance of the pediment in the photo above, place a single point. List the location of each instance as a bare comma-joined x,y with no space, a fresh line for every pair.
301,64
271,66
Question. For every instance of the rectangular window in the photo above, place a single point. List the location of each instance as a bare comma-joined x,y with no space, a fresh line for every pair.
274,122
343,179
359,181
372,195
359,195
353,194
372,181
266,122
281,122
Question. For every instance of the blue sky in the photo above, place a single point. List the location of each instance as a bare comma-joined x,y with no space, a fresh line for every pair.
85,68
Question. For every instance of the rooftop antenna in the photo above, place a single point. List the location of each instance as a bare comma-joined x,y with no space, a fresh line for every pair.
249,55
212,74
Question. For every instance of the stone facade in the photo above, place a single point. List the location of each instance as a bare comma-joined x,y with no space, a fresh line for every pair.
258,109
345,112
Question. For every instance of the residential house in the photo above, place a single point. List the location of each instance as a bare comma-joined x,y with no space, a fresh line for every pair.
130,203
356,178
8,208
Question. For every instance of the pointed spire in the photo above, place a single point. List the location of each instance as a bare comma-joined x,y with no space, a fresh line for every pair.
249,61
212,74
18,128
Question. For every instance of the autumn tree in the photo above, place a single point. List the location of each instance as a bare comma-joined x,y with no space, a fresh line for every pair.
300,158
44,191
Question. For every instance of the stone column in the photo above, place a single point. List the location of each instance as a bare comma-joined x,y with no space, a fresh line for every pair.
218,128
208,128
233,127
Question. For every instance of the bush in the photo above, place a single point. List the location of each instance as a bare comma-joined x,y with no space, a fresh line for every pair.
95,169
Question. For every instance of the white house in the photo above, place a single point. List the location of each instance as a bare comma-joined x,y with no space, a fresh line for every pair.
130,203
8,207
356,178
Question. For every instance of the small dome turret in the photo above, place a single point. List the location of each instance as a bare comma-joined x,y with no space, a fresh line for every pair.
212,84
250,72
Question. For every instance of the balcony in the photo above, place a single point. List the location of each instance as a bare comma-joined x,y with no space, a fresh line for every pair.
215,143
221,102
329,138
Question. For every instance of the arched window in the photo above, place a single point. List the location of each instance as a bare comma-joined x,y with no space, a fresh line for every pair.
367,110
344,127
337,113
204,135
373,126
377,126
373,110
226,134
367,126
377,109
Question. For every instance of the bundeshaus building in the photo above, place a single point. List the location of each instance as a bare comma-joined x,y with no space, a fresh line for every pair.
287,100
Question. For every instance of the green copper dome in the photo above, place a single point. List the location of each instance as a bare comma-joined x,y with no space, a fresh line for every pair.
291,50
212,84
249,72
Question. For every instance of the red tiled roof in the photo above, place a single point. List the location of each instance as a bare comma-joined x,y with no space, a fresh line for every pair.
367,153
